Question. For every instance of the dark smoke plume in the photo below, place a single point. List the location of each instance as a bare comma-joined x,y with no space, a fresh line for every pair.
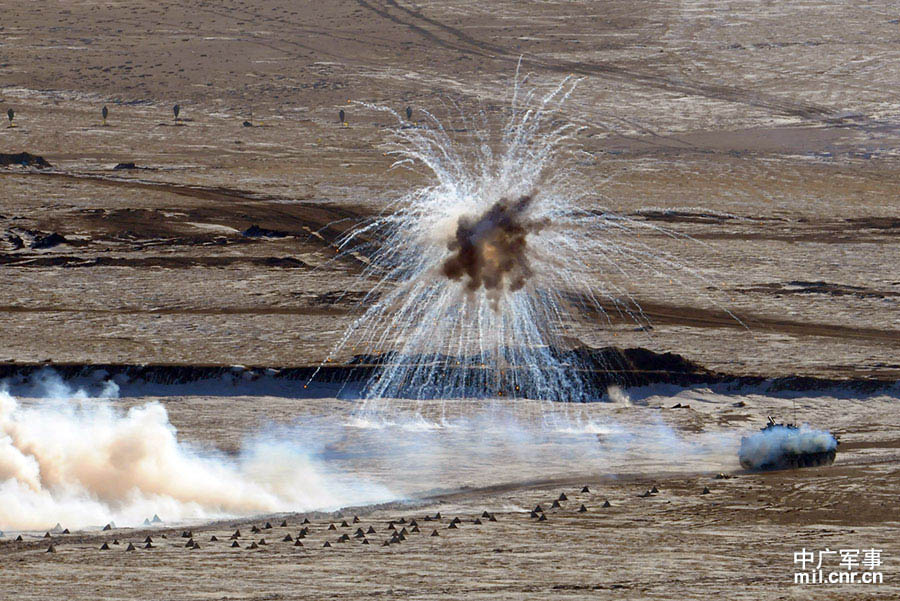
490,250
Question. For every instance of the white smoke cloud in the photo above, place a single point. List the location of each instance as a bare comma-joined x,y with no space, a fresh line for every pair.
615,394
504,444
77,459
80,461
767,447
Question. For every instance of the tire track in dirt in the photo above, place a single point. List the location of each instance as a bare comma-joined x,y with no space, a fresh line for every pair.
245,14
655,313
425,26
608,312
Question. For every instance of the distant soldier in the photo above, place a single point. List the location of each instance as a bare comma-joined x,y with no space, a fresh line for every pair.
342,117
11,114
105,113
176,109
409,113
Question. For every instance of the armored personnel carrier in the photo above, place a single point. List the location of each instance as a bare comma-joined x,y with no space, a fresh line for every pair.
786,446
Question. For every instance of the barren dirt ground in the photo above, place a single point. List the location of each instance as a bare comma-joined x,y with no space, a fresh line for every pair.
765,132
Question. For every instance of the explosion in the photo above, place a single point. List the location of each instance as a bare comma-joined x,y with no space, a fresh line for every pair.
491,250
484,269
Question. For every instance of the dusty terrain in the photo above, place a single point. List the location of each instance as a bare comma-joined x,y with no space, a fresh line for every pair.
738,541
767,133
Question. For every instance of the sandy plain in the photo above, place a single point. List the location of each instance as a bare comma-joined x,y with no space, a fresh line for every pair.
766,132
